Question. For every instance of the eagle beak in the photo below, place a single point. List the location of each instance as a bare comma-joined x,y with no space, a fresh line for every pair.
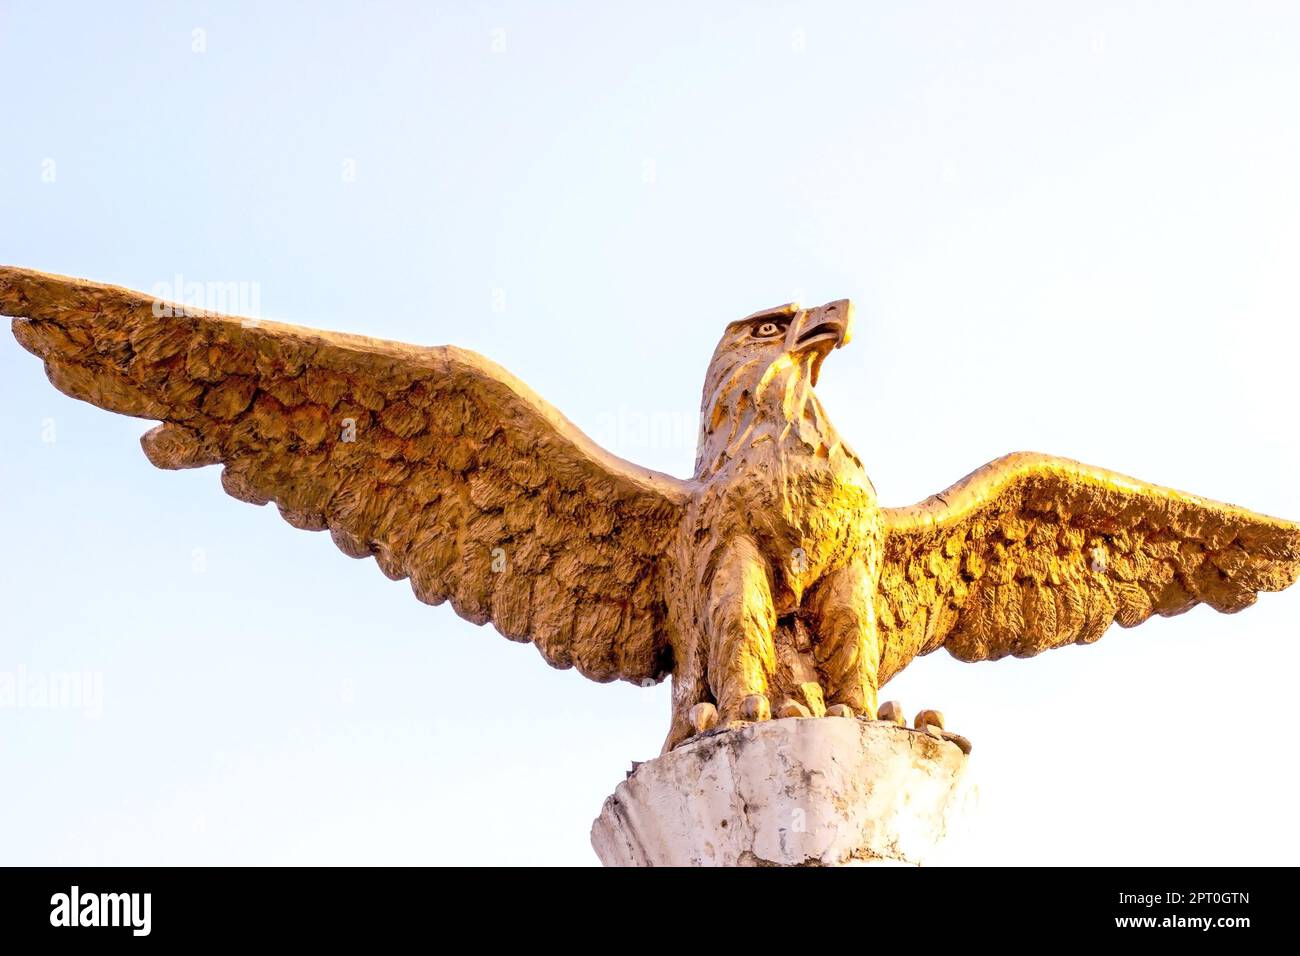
820,331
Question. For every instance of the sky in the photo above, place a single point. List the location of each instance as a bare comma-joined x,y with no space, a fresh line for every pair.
1067,227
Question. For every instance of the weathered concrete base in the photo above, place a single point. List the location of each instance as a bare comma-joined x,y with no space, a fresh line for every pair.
830,791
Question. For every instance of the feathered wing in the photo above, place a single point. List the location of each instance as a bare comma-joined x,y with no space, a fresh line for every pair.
437,462
1032,552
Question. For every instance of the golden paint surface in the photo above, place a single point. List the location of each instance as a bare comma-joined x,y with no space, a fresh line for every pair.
772,581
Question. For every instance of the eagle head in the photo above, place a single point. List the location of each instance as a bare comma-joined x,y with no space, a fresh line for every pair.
761,378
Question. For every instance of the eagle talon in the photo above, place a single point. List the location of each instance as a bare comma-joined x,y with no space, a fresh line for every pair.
755,707
703,717
792,708
839,710
892,711
928,718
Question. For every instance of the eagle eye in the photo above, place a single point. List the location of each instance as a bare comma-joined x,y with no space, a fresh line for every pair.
766,330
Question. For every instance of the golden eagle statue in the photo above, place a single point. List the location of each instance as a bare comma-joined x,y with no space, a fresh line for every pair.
771,579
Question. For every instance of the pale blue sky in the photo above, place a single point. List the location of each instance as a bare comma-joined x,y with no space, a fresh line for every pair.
1071,227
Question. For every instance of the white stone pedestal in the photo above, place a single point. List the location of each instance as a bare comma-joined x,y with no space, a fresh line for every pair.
828,791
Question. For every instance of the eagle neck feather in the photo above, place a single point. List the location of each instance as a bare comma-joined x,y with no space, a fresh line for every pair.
748,406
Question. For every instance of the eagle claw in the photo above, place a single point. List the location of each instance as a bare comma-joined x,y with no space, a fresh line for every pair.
755,707
892,711
703,717
928,718
792,708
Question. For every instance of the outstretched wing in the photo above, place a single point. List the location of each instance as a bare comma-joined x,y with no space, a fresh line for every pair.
436,461
1032,552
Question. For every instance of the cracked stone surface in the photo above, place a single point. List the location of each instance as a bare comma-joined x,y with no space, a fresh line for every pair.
794,792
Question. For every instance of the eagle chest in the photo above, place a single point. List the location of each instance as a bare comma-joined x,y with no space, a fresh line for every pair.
817,516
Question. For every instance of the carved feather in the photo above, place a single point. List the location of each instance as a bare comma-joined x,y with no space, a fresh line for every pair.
440,464
1084,548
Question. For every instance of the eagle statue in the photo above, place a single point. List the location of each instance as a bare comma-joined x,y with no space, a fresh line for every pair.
771,582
